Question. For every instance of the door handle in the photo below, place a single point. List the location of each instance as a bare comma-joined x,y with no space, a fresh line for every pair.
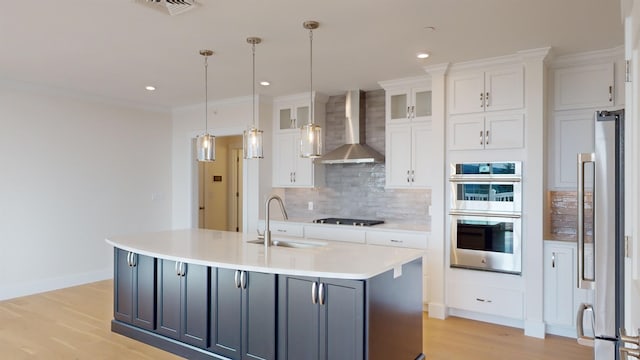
243,279
583,283
321,293
625,352
314,293
236,279
582,339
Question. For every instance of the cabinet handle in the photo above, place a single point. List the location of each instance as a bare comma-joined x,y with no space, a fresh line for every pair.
183,269
483,300
294,176
281,230
408,112
408,176
314,293
610,93
486,99
236,279
134,259
481,100
413,176
243,279
481,138
413,111
553,260
321,293
129,258
396,241
486,137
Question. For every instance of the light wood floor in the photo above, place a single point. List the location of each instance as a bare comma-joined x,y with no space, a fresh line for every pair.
74,323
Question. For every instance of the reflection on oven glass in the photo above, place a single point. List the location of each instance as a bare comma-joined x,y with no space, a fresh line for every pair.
485,192
485,235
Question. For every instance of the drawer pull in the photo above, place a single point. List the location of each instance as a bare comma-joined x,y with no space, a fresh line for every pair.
281,230
483,300
396,241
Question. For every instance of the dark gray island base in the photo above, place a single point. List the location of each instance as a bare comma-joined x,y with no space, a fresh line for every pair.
213,312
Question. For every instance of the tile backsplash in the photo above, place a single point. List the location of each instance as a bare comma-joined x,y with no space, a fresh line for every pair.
563,215
357,190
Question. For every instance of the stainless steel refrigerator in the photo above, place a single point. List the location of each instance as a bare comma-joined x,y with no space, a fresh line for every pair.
601,236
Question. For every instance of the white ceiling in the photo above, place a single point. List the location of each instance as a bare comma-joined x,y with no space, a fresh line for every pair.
113,48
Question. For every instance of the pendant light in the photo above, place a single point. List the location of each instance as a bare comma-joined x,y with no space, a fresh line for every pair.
252,138
310,134
206,143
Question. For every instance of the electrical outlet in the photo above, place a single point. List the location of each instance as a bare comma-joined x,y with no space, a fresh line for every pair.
310,205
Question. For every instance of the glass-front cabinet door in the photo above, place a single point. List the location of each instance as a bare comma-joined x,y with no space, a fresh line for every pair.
409,104
293,117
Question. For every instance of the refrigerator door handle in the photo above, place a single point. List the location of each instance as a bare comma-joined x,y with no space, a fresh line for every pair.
583,283
582,339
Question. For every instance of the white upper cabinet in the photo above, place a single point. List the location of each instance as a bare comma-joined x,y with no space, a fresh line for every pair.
408,132
490,90
585,86
486,131
409,104
292,116
290,113
408,160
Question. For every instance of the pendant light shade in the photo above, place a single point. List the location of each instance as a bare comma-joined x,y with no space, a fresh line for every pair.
206,143
252,138
311,134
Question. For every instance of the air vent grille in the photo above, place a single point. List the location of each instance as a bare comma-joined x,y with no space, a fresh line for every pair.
171,7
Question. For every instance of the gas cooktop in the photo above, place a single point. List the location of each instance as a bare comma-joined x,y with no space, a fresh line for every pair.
346,221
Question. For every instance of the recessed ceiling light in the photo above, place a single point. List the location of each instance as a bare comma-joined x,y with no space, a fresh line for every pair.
265,83
422,55
150,88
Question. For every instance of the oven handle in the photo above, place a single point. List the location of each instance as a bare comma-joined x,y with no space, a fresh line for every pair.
484,214
483,179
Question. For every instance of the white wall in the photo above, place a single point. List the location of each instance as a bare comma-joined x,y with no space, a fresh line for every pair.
228,117
73,171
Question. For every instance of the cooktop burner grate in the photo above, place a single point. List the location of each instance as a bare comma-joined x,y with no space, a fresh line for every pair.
347,221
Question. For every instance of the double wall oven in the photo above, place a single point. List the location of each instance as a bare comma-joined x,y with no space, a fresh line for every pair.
485,213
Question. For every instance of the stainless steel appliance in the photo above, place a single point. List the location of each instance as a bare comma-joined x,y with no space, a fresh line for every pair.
485,211
603,272
347,221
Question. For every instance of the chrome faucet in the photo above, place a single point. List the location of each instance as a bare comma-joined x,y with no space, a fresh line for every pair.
267,231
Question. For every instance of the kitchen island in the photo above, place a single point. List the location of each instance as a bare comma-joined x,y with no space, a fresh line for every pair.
206,294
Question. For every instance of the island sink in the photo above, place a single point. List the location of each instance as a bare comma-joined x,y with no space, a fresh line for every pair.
289,243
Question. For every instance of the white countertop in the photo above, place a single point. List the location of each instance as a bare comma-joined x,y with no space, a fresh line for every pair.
387,226
230,250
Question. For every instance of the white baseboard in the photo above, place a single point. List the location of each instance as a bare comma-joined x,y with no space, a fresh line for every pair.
561,331
437,311
500,320
534,329
11,291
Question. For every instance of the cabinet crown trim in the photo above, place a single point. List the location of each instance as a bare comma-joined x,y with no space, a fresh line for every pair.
423,80
317,98
588,58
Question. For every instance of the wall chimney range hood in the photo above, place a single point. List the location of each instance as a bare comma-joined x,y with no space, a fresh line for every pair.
355,151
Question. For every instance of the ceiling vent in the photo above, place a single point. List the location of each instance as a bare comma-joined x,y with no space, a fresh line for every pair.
172,7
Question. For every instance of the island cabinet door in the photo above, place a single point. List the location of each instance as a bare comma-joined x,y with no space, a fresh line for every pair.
183,302
226,307
135,289
243,314
298,318
341,319
259,310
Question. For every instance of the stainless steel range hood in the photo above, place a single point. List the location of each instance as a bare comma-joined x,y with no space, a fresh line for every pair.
355,151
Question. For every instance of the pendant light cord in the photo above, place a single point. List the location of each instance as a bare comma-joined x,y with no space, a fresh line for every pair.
310,76
206,96
253,51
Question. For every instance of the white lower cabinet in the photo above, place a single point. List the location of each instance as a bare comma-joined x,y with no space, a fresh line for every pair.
486,299
561,295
